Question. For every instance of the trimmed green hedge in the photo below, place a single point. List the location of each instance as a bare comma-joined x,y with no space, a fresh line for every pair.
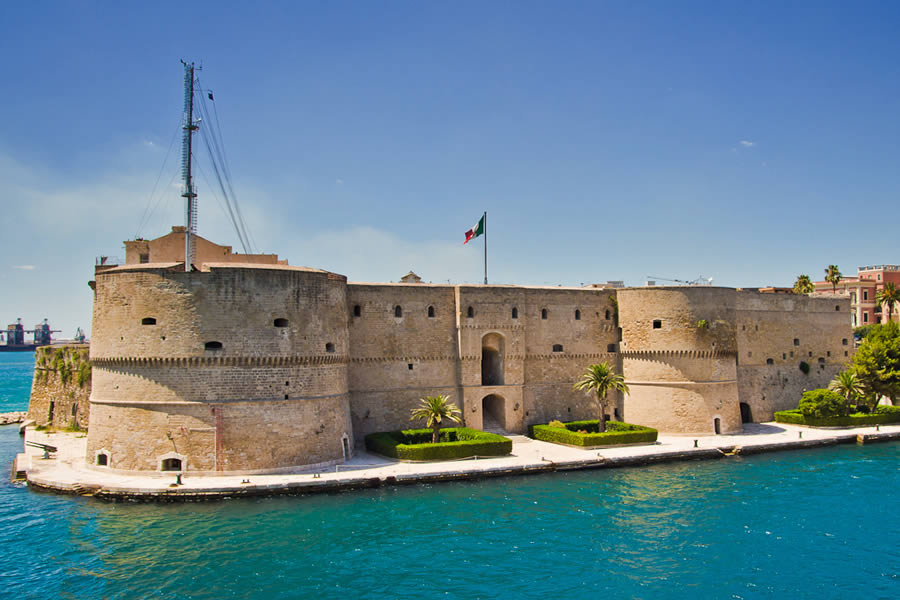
456,442
880,417
616,433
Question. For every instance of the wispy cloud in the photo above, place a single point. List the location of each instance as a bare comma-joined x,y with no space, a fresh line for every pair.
339,181
24,267
747,143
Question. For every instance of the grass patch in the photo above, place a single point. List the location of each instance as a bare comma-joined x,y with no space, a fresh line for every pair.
586,433
884,415
456,442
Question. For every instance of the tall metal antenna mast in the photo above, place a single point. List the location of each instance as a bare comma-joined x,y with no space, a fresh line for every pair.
190,192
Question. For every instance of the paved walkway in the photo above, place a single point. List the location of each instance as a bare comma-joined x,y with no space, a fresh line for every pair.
66,472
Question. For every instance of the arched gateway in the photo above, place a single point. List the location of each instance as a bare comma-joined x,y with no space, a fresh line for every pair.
493,411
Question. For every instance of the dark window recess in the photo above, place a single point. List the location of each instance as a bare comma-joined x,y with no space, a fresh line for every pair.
430,312
543,313
515,313
285,396
657,324
770,361
357,310
398,312
102,460
828,353
607,315
171,464
281,323
610,347
410,366
783,356
329,347
577,315
470,312
844,342
821,361
796,341
144,259
557,348
148,321
810,354
837,307
846,353
213,345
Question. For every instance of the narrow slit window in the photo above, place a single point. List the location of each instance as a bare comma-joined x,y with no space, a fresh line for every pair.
515,313
148,321
470,312
398,312
544,313
357,310
577,315
607,315
430,312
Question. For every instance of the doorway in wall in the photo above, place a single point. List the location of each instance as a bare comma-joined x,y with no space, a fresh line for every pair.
493,414
746,413
492,349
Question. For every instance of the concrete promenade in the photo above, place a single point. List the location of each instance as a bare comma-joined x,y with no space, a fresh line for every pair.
65,471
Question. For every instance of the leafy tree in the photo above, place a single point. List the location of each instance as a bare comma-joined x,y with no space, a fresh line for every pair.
598,380
889,296
804,285
833,276
877,363
847,384
862,331
434,409
823,403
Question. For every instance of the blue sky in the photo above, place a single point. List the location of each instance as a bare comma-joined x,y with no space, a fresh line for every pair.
748,142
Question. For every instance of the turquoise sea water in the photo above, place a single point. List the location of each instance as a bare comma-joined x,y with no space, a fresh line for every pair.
816,524
16,369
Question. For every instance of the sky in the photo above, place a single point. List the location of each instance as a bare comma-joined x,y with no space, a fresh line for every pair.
749,142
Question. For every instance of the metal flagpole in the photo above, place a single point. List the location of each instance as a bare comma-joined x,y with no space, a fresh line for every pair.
485,247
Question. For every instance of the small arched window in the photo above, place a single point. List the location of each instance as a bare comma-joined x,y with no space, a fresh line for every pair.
607,315
171,464
329,347
102,460
213,345
430,312
577,315
544,313
837,307
148,321
280,323
470,312
770,361
357,310
557,348
398,312
515,313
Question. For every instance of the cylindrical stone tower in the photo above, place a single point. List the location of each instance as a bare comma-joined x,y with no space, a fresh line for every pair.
238,369
679,358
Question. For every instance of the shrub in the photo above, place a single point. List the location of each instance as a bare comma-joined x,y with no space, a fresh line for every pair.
702,324
796,417
556,423
586,433
887,410
804,366
456,442
823,403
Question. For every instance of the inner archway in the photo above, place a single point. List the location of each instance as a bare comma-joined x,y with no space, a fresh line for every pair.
493,413
492,350
746,414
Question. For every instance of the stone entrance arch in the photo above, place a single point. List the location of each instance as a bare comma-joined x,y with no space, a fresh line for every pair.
492,352
493,413
746,413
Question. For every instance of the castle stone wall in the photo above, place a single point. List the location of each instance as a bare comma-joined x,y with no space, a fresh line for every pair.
61,387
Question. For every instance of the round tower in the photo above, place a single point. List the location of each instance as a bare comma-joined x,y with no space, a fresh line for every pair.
236,369
679,358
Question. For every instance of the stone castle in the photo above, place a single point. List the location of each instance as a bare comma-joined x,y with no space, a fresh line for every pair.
246,366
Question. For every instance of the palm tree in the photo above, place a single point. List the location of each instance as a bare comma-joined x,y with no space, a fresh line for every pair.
804,285
889,296
833,276
848,385
434,409
599,380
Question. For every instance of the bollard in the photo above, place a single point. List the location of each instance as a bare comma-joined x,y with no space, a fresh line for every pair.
178,479
695,443
800,434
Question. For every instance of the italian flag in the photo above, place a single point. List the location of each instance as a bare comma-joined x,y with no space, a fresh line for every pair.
475,231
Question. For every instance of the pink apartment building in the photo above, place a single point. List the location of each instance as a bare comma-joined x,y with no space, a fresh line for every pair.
862,290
